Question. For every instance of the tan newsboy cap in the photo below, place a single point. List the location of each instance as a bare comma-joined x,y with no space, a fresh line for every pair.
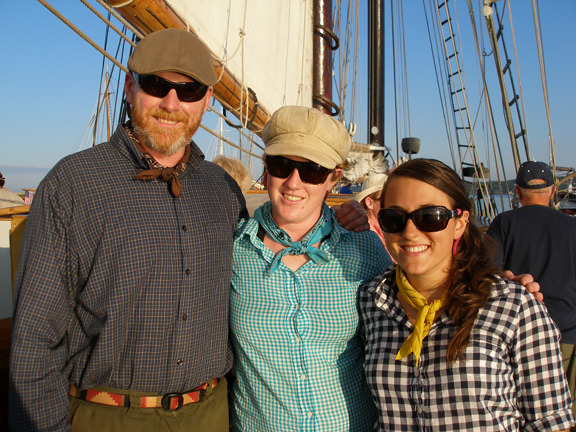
173,50
307,133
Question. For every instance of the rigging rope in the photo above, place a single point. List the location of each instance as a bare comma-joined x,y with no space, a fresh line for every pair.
496,149
120,18
394,80
526,146
109,23
448,36
536,15
439,83
82,34
404,56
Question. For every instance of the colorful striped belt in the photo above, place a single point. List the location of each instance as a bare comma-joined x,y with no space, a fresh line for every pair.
170,401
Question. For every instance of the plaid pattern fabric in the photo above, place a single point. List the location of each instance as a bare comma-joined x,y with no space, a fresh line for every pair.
121,284
295,336
511,379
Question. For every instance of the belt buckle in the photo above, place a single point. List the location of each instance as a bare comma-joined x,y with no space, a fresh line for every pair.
167,399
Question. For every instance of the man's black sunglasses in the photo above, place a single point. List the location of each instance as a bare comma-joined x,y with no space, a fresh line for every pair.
427,219
159,87
309,172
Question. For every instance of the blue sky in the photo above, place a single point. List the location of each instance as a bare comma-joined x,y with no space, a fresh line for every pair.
50,83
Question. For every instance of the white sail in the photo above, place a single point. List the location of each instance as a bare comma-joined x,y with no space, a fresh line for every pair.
244,36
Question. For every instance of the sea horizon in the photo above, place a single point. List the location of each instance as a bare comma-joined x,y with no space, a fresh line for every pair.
19,178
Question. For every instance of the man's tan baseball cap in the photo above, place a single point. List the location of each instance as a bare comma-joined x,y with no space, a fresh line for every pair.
173,50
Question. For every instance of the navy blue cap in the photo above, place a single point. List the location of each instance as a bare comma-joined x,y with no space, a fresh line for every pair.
534,171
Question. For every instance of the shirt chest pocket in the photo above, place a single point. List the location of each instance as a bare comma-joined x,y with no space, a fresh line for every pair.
207,248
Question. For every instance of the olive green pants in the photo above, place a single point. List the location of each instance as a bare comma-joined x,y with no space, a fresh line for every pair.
569,364
210,414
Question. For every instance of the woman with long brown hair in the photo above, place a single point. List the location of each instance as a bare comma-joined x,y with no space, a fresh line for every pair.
449,343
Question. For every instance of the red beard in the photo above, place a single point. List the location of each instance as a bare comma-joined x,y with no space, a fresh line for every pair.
164,140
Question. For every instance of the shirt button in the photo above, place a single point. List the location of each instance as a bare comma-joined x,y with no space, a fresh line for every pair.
303,376
179,362
297,339
184,228
187,271
309,414
416,372
184,317
297,307
419,410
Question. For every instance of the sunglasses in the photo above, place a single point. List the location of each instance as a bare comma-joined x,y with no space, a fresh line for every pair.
427,219
159,87
309,172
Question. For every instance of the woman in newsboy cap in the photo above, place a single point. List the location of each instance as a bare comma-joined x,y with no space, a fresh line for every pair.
296,273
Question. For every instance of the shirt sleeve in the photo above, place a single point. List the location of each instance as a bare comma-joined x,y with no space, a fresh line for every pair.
378,255
543,395
39,385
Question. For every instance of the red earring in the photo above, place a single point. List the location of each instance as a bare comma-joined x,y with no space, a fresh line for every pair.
455,246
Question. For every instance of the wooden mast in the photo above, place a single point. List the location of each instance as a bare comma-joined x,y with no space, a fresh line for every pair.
324,42
152,15
376,72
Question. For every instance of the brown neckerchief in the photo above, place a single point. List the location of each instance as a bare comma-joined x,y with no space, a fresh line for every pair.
158,171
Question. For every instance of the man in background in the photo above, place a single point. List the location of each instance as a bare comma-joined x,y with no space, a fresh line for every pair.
369,199
539,240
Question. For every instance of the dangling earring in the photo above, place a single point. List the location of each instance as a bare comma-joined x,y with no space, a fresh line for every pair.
455,246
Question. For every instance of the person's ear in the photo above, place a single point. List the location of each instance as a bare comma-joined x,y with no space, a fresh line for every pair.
518,192
369,203
335,177
129,87
461,224
208,98
552,192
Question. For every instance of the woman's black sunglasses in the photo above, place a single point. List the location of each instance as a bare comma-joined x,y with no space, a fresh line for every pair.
427,219
159,87
309,172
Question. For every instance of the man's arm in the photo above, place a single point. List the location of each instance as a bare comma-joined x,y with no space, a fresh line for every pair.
351,216
535,346
526,280
38,384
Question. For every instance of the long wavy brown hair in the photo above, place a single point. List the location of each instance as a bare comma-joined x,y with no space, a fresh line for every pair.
473,269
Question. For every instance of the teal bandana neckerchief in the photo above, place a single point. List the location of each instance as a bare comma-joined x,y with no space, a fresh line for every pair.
321,229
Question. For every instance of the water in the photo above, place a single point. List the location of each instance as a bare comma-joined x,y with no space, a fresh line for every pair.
19,178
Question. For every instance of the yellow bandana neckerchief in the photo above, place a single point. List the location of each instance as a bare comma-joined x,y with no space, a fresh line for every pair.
426,313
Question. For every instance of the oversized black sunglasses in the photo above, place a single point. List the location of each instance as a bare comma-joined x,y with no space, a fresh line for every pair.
159,87
309,172
427,219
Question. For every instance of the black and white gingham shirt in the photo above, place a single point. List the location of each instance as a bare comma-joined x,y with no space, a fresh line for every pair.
121,284
511,380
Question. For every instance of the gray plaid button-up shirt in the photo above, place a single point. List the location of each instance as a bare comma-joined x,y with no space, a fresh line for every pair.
120,283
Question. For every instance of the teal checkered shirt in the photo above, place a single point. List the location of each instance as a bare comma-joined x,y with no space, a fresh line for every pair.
295,335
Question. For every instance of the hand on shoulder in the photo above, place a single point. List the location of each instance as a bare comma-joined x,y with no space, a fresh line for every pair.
527,281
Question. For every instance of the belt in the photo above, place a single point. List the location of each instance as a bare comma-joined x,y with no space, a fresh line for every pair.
170,401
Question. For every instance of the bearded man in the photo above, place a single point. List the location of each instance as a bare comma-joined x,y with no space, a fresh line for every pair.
121,318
